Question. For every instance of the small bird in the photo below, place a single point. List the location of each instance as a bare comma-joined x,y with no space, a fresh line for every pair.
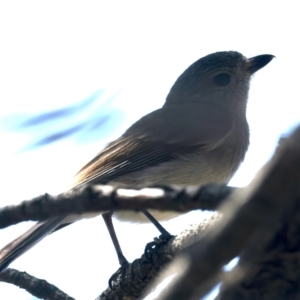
199,136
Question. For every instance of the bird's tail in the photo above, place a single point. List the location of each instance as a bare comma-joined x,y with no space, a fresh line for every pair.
27,240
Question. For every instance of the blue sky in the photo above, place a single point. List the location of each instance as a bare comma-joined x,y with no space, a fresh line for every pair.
126,55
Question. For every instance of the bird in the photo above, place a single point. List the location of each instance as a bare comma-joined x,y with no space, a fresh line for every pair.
199,136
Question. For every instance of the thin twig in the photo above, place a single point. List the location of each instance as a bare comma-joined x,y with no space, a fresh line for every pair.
36,287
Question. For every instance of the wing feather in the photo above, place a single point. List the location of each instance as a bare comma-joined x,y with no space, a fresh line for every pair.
159,137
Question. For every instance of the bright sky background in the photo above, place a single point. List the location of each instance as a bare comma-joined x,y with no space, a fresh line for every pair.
57,53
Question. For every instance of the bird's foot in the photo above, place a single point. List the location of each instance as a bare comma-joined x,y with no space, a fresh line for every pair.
115,278
152,246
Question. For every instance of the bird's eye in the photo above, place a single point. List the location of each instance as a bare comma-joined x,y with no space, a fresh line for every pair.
222,79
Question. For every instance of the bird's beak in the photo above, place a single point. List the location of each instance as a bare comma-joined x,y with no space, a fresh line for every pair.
257,62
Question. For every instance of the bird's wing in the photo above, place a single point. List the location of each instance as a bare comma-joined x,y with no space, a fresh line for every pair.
159,137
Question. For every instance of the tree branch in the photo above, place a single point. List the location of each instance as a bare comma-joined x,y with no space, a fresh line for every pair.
36,287
249,215
271,271
104,198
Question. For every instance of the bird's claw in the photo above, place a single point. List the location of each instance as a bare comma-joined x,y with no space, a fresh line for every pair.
162,239
119,273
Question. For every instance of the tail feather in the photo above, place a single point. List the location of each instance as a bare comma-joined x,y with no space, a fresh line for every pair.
27,240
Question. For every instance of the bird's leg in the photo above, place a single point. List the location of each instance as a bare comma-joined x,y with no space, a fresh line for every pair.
160,228
110,227
150,247
163,238
122,260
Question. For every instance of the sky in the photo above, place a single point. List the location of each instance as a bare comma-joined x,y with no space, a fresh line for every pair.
113,62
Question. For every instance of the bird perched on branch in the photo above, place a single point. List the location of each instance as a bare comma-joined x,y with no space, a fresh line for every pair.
200,135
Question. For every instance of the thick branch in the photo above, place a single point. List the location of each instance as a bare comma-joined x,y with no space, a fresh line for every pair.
104,198
246,215
36,287
272,271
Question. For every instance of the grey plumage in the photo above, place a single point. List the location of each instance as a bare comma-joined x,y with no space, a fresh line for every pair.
200,135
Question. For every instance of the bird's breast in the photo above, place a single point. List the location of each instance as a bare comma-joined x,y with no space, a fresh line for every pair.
198,168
